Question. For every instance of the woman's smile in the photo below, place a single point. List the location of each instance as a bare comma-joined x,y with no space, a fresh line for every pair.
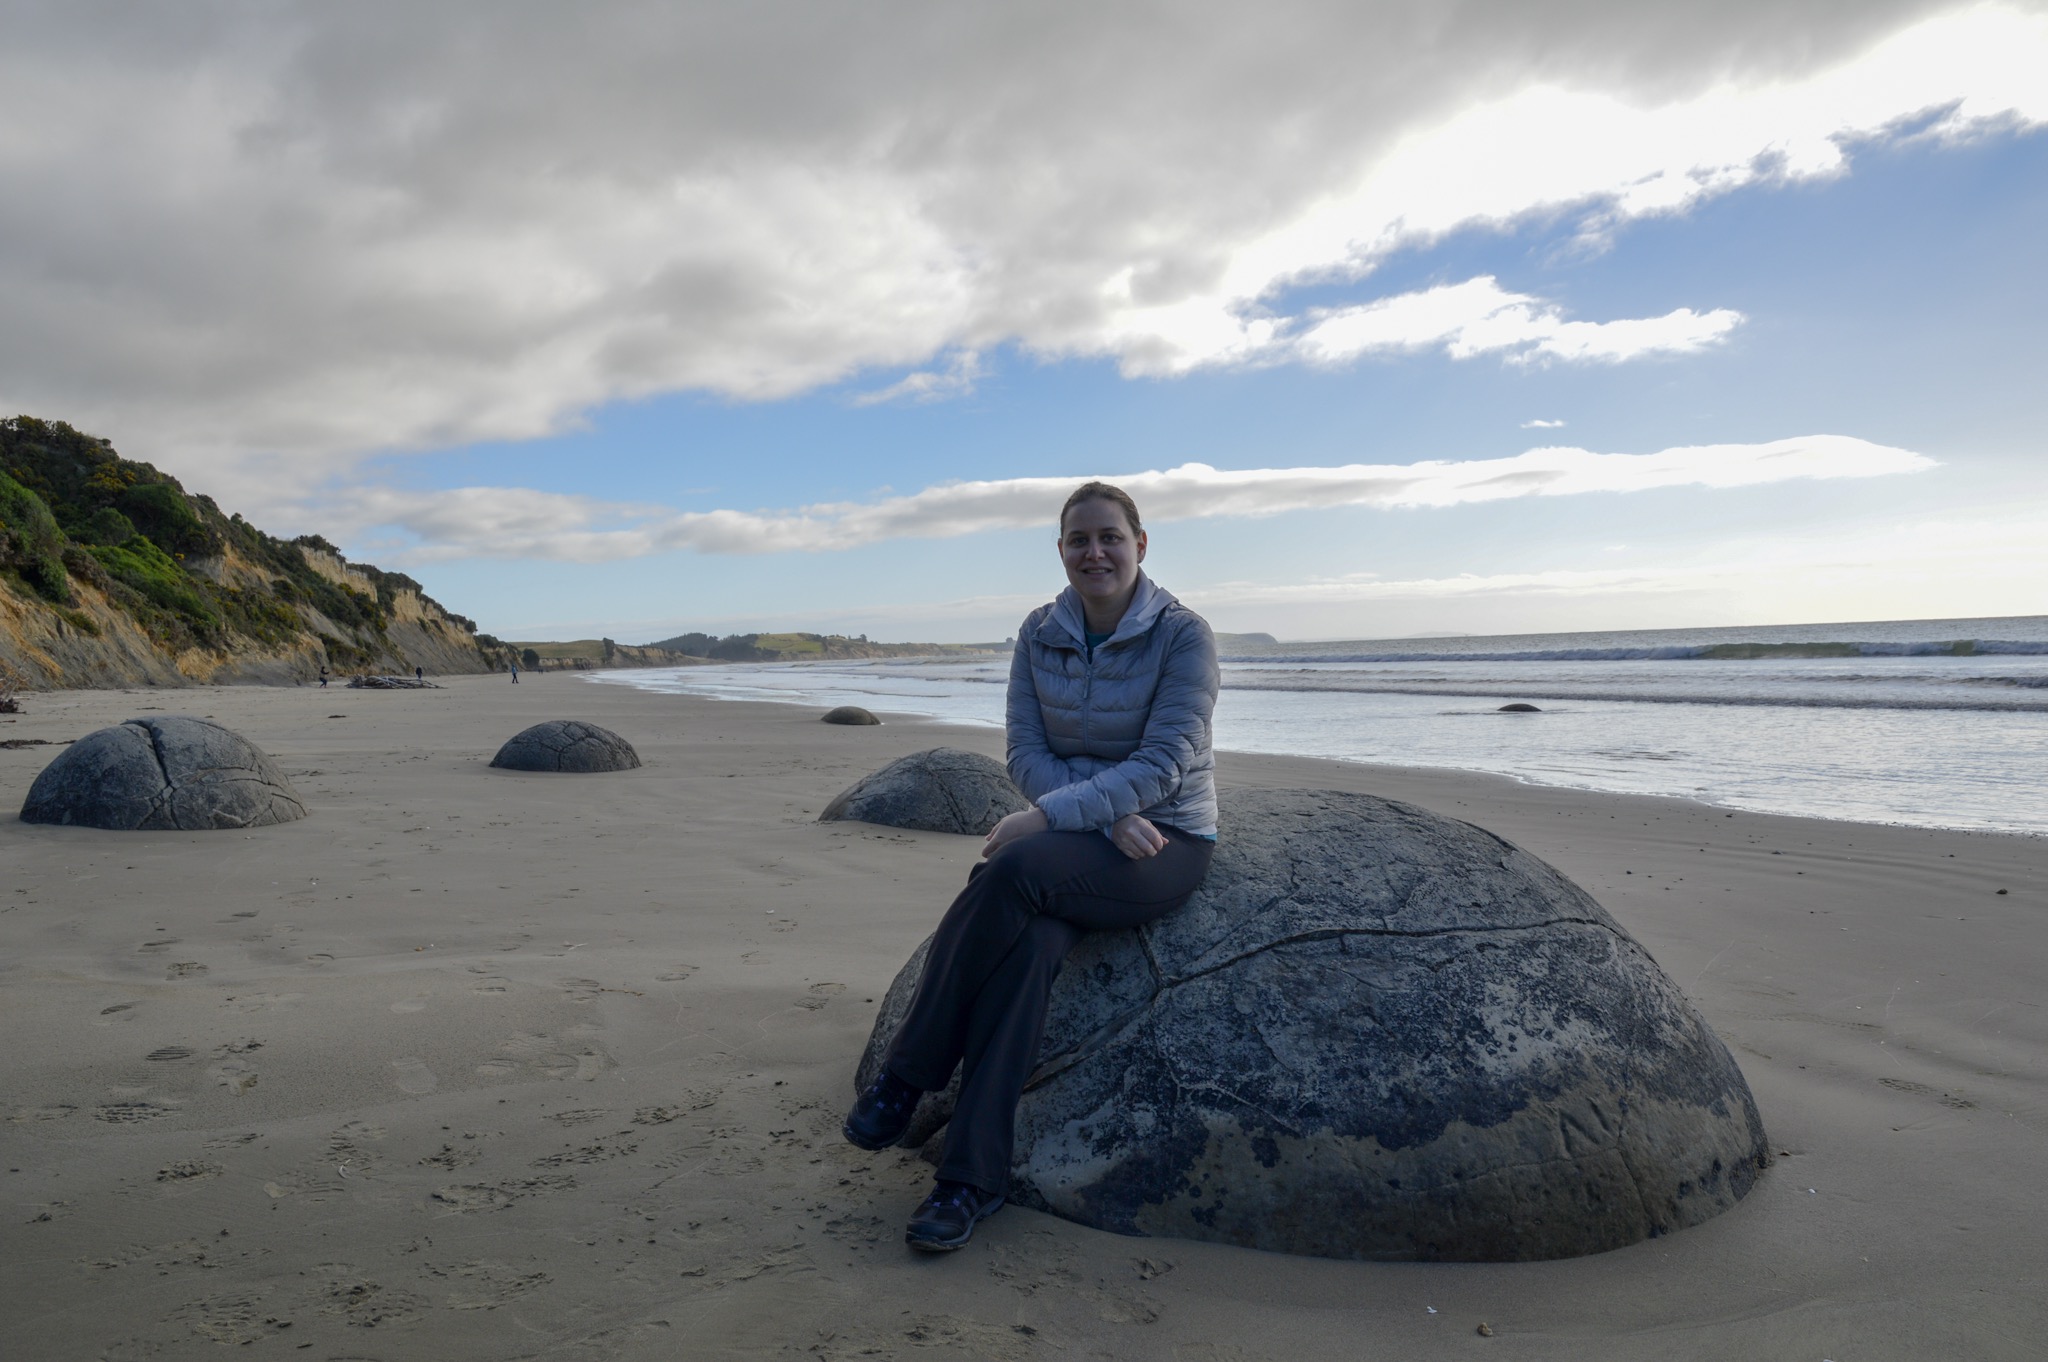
1101,556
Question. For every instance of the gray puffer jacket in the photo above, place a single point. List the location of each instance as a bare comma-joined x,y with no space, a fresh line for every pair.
1127,732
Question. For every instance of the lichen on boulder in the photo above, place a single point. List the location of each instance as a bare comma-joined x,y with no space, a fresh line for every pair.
171,772
1373,1033
567,745
943,789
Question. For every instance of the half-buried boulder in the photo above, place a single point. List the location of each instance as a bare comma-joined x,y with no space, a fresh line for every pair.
942,790
850,714
155,775
567,745
1374,1033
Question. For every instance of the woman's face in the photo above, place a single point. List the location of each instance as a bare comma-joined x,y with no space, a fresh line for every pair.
1099,551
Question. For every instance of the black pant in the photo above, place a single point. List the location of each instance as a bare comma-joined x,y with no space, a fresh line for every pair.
982,997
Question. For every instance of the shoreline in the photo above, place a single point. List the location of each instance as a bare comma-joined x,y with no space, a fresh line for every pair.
470,1064
912,717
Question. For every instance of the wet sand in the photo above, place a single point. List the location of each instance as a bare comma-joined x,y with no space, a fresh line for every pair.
476,1065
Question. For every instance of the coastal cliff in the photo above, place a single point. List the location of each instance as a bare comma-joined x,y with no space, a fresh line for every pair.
111,574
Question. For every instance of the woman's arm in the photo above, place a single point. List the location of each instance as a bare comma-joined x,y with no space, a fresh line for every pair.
1177,731
1033,766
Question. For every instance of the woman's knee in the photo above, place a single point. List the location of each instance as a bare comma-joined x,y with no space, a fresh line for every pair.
1018,862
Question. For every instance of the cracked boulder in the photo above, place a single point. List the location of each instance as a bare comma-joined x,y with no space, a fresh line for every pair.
153,775
1374,1033
567,745
940,790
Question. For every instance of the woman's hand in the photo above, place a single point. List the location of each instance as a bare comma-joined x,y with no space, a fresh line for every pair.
1136,838
1020,824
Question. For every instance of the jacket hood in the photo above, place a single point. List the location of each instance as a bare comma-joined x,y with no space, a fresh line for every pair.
1067,616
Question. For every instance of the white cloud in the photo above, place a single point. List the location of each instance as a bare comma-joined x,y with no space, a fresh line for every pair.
494,522
318,230
955,379
1479,317
1538,423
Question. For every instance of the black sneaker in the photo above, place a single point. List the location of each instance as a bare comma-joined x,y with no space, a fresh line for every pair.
881,1114
948,1216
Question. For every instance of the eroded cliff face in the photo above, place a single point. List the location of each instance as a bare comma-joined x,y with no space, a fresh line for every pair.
95,643
112,575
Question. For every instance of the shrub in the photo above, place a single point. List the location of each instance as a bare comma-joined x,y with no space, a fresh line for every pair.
142,565
162,512
109,526
31,543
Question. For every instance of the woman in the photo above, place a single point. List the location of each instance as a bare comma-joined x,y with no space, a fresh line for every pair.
1112,688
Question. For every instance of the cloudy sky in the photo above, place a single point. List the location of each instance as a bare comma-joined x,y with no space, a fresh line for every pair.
1397,317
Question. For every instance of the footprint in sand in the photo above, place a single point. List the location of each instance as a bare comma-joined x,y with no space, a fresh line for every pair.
236,1075
120,1014
169,1054
820,995
56,1111
362,1303
260,1002
953,1336
600,1152
189,1170
490,983
350,1146
234,1318
185,969
132,1113
486,1286
470,1197
453,1156
675,975
691,1100
547,1057
413,1076
314,1189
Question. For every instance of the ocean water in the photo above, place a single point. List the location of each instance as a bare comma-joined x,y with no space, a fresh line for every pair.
1939,723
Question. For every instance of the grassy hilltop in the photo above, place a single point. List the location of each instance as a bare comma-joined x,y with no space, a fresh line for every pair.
111,573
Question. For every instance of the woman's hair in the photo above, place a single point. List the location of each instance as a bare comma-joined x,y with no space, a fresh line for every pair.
1102,491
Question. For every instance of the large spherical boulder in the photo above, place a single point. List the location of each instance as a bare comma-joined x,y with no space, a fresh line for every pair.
942,790
567,745
1374,1033
852,715
152,775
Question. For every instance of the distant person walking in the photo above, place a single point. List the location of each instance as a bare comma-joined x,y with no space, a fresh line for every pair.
419,673
323,673
515,671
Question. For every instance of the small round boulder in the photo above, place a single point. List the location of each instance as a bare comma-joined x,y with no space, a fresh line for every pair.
1519,707
850,714
567,745
1373,1033
174,772
941,790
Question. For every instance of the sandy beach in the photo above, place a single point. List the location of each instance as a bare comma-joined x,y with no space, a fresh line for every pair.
476,1065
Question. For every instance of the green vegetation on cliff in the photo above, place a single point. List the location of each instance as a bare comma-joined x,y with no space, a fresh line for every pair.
190,576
